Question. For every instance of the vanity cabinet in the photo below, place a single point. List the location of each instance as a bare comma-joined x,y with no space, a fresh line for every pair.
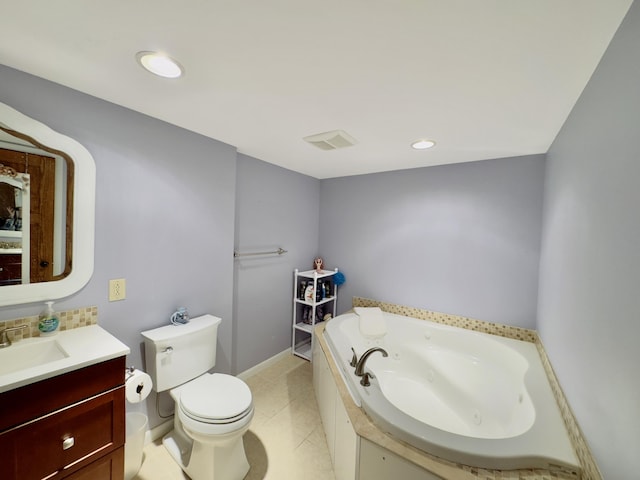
70,426
309,310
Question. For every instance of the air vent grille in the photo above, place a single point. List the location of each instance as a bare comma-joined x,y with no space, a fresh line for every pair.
331,140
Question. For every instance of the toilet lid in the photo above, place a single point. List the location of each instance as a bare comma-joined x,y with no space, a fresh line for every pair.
215,397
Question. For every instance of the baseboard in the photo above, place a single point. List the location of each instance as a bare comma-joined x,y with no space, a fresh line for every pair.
263,365
158,432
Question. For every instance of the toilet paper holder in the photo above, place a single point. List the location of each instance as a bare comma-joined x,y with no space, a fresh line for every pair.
128,374
137,384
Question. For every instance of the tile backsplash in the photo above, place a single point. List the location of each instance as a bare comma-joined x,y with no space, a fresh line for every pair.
79,317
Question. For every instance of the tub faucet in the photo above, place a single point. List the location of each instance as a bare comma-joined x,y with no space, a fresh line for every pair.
4,338
360,365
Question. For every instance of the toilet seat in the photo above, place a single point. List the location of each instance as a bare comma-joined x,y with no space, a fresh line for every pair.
216,399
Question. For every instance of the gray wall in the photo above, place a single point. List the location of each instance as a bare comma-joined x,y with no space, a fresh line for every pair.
461,239
275,208
164,214
590,264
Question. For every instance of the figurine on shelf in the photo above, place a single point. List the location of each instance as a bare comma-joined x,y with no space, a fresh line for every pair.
318,264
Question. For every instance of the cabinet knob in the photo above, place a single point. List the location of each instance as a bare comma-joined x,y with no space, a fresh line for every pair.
44,264
68,442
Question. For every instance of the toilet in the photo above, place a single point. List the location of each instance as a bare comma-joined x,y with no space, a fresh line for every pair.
212,410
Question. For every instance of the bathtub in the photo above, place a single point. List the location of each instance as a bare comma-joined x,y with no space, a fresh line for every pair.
467,397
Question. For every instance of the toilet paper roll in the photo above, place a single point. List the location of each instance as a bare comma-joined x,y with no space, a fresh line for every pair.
137,386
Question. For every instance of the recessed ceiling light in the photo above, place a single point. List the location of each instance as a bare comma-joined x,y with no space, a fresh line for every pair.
423,144
160,64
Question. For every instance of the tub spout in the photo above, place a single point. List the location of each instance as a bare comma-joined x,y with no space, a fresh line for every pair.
360,365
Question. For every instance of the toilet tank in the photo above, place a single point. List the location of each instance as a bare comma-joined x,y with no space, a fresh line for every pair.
176,354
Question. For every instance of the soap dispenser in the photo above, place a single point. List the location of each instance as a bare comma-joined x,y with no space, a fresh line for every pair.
48,322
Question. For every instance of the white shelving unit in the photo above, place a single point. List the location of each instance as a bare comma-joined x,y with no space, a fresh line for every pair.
306,310
10,234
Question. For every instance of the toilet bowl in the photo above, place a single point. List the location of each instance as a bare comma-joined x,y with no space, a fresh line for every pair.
214,404
212,410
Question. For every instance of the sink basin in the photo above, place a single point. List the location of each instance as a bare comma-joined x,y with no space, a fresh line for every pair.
30,353
34,359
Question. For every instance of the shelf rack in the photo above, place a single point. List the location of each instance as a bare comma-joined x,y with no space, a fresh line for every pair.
302,337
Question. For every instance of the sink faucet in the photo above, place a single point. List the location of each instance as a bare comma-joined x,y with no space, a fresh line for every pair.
360,365
4,338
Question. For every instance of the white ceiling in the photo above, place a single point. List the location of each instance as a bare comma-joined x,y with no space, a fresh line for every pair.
483,78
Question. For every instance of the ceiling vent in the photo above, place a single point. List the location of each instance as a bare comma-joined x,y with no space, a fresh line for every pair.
331,140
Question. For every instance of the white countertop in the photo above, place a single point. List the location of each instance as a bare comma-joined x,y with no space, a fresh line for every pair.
83,346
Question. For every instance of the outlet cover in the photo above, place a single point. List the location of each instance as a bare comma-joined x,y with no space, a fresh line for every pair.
117,289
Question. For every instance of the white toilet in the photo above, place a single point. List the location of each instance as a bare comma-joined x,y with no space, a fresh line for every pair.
212,411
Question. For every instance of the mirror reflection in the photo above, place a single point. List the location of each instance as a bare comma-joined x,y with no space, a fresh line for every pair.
36,211
14,226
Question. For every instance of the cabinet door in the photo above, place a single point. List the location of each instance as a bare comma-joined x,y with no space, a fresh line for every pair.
377,463
109,467
346,444
61,443
316,365
10,269
326,395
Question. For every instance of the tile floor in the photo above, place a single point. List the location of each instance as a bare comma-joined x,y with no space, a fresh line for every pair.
286,440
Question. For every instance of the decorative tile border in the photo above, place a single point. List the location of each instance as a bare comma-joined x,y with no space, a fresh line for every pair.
590,470
536,474
588,465
69,319
507,331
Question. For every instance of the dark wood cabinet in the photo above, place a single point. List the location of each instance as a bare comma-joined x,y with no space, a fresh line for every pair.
108,467
10,269
71,426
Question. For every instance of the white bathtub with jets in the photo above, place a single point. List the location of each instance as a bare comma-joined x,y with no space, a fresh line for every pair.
465,396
